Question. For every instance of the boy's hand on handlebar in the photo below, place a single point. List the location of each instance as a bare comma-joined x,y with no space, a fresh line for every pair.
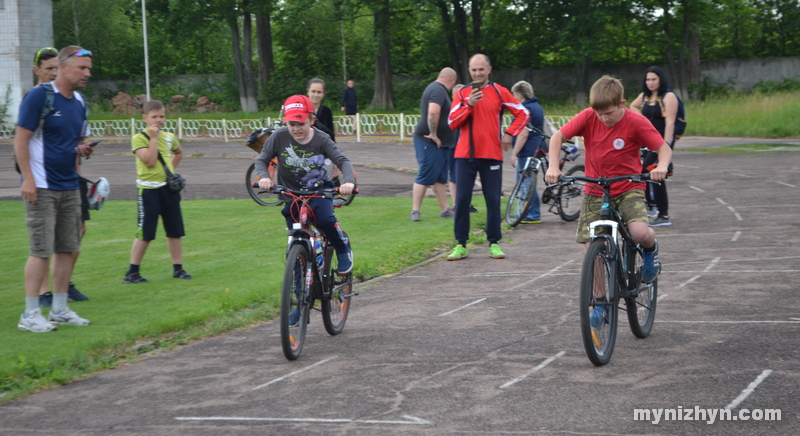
346,188
265,184
659,173
552,175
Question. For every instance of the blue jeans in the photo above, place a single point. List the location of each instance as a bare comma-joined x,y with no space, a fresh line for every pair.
533,212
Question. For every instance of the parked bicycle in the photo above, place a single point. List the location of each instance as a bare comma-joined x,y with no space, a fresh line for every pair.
310,275
256,142
564,201
612,271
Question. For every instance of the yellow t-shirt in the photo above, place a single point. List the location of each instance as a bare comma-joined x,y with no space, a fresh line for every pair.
155,177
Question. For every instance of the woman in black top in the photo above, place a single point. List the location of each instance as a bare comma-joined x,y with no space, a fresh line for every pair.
316,93
660,105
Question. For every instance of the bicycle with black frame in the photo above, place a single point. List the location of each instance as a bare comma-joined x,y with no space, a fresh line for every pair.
612,272
310,274
566,200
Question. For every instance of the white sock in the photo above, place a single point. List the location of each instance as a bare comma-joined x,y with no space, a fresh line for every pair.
59,302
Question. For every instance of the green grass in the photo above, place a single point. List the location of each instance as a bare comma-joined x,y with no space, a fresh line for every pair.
748,115
748,148
233,248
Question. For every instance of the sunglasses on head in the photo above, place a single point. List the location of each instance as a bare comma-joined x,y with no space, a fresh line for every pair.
43,51
81,53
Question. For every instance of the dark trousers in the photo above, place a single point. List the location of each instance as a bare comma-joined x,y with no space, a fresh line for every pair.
324,220
491,172
657,194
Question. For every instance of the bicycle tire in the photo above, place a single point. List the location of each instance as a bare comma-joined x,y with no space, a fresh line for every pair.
570,197
520,198
262,198
598,275
642,308
295,295
336,308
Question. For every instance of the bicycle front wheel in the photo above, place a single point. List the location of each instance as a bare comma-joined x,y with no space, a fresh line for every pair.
295,302
570,197
336,308
598,305
520,199
262,198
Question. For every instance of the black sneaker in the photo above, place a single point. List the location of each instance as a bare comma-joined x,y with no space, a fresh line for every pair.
472,209
134,278
46,299
181,274
74,295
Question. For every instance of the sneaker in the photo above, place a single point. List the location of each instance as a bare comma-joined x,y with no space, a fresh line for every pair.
35,322
660,221
294,317
652,211
46,299
134,278
531,221
447,213
180,274
345,262
73,294
598,317
651,267
495,252
66,317
460,252
472,209
415,215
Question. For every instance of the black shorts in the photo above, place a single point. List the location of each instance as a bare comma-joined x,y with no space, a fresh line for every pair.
162,202
84,185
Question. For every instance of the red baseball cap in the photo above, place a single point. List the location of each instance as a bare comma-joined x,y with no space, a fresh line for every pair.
297,108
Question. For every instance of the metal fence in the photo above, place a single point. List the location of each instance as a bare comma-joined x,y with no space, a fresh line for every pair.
359,126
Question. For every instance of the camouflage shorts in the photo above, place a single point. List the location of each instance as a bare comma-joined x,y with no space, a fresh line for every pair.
630,205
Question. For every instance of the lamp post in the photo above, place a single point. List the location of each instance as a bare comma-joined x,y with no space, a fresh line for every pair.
146,59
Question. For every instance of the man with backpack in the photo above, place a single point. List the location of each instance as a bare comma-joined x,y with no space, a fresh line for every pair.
46,145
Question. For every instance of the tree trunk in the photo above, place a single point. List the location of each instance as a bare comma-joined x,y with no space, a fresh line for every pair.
676,80
580,93
247,63
237,60
462,38
449,31
690,55
382,98
266,59
477,24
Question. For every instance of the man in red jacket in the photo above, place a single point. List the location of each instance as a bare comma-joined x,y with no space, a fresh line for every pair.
477,110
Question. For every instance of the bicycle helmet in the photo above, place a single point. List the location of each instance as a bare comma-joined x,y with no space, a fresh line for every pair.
98,193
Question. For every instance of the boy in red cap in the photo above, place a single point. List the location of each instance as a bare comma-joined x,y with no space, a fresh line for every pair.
301,151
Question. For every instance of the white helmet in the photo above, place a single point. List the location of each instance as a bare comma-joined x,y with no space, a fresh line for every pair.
98,193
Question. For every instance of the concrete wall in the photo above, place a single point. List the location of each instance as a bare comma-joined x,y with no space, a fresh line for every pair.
25,27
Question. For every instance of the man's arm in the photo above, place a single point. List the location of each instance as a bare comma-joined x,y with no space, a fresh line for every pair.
521,118
434,112
22,153
461,110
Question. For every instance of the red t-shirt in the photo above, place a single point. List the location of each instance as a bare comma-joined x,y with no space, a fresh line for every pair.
613,151
485,117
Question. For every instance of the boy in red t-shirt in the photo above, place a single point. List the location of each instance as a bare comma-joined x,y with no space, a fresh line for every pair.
613,136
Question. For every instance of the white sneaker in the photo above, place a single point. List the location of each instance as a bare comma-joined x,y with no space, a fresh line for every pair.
35,322
652,211
66,317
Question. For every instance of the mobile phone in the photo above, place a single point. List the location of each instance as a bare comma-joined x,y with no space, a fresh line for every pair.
476,85
95,143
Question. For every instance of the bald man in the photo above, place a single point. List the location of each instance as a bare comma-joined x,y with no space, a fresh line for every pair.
432,140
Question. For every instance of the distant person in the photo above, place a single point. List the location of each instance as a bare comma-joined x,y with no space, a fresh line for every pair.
46,69
349,100
660,105
47,150
324,116
433,140
528,143
476,111
155,196
613,137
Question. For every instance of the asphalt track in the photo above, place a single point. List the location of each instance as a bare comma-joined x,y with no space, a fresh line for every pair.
484,346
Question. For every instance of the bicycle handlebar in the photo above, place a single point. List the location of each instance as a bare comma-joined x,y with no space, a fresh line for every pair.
606,181
533,128
328,193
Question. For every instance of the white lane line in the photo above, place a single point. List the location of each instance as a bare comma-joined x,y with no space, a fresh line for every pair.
736,214
736,236
696,189
661,297
720,200
411,420
786,184
548,273
687,282
462,307
295,373
730,208
712,264
538,367
731,322
742,175
749,390
738,217
796,319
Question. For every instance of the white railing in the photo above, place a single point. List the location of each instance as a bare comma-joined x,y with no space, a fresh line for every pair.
360,126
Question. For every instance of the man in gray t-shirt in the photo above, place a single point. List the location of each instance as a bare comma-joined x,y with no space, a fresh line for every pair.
432,140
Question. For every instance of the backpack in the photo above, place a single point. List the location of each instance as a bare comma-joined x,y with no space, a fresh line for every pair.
680,117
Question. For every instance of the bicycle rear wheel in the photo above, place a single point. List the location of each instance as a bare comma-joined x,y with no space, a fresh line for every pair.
262,198
521,197
570,197
598,305
336,309
295,297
